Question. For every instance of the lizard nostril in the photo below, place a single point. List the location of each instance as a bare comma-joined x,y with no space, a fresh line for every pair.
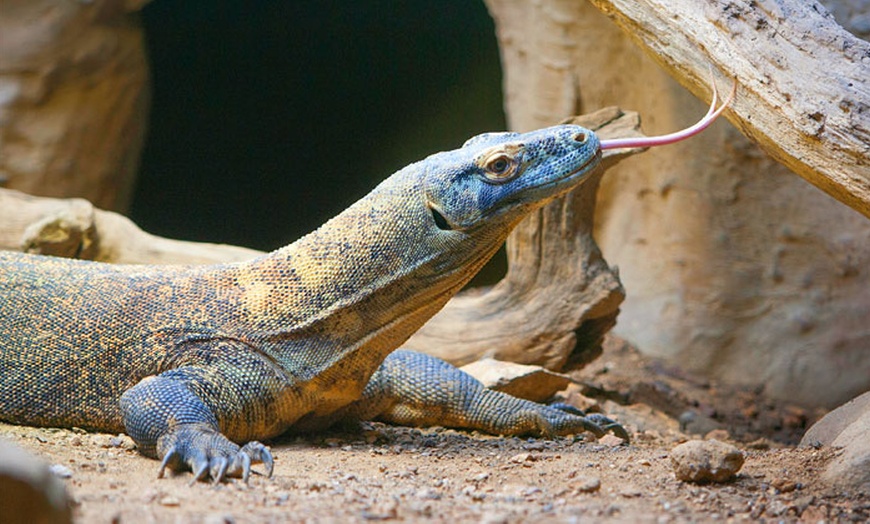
581,137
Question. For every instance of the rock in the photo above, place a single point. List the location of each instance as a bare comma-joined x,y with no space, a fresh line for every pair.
60,471
783,485
695,423
721,435
847,427
529,382
170,501
611,441
586,484
29,492
829,427
522,458
574,397
630,491
706,461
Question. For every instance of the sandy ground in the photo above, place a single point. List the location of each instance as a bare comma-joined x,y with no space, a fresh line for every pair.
377,472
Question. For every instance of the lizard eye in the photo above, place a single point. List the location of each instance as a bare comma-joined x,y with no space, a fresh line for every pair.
500,168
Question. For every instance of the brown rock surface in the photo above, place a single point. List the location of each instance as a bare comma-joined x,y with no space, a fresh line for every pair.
706,461
529,382
847,427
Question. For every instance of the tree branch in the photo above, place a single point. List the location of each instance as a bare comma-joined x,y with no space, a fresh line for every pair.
804,92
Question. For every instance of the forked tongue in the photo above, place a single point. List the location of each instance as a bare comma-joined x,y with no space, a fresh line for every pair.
672,138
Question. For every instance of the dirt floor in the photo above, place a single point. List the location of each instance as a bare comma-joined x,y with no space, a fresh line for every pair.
381,473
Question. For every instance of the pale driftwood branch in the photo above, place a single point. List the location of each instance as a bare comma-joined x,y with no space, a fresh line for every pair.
804,81
73,228
559,296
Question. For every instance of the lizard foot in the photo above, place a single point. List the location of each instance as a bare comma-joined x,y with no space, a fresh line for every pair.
598,419
609,425
209,454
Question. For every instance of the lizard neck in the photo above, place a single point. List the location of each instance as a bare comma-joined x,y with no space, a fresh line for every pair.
367,279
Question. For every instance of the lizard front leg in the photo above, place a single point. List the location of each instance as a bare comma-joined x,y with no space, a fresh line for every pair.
414,389
168,421
185,415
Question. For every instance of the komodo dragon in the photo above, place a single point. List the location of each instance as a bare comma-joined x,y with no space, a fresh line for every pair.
191,360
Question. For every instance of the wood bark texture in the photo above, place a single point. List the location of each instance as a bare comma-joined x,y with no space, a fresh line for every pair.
804,80
73,228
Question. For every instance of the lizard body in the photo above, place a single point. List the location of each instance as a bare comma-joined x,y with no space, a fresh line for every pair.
192,360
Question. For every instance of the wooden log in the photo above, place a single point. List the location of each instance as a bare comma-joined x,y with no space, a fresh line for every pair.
804,81
74,228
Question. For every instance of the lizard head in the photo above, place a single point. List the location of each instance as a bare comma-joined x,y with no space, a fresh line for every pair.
504,176
507,175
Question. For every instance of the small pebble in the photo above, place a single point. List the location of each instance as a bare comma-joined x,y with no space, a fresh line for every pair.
170,501
630,492
718,434
783,485
219,518
521,458
587,484
480,477
611,441
60,471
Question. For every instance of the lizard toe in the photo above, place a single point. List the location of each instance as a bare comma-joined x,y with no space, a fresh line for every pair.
607,424
567,408
199,465
172,460
242,463
209,454
595,422
259,454
218,467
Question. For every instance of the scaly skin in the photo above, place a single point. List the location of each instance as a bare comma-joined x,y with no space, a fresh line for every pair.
193,361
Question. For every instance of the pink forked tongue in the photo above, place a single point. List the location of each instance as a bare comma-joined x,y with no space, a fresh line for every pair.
650,141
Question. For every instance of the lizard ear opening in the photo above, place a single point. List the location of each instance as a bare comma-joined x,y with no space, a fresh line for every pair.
439,219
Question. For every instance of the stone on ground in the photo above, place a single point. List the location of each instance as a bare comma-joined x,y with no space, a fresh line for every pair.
706,461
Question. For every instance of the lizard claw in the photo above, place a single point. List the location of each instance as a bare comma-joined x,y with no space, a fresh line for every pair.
218,469
172,459
599,421
209,454
246,465
199,467
257,452
607,424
